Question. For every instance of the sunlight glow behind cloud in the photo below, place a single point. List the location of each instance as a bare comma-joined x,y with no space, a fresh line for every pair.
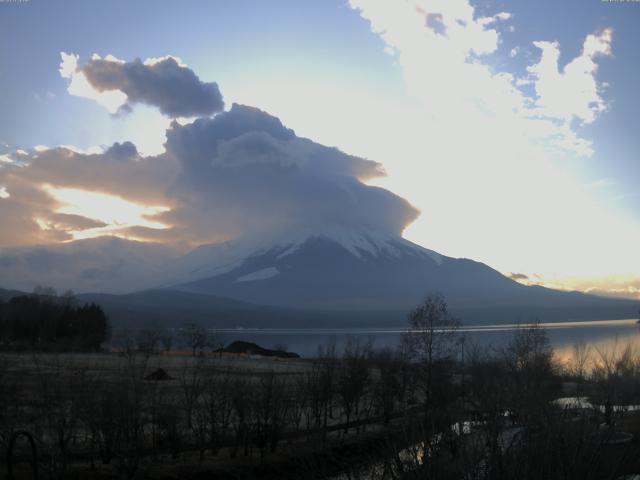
79,86
117,213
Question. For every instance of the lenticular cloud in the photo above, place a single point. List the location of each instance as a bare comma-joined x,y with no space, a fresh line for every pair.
239,172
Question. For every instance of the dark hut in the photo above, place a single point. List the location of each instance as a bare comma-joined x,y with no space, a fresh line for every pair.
159,375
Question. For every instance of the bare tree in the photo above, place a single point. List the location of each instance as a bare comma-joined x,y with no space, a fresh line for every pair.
269,411
324,383
166,340
192,387
58,387
532,379
299,401
148,339
386,391
218,406
195,336
578,364
616,373
432,331
430,342
353,377
242,411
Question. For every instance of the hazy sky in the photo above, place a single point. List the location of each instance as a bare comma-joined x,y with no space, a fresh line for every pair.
511,126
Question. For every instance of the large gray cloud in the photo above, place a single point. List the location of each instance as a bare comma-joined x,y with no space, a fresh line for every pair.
243,171
175,89
30,214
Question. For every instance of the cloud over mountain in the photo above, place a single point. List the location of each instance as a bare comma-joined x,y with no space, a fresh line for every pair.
244,171
239,172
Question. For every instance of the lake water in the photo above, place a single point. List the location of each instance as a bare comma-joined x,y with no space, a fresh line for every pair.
601,334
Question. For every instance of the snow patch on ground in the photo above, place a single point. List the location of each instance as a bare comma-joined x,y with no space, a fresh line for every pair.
288,251
262,274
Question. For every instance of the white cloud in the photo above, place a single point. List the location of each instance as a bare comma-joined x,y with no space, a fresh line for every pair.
93,150
154,60
571,92
68,65
111,211
598,44
495,181
498,17
79,86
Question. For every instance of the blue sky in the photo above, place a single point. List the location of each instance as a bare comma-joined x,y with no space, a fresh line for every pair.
222,41
338,72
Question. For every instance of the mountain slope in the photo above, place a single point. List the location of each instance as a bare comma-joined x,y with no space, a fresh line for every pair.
102,264
337,277
369,271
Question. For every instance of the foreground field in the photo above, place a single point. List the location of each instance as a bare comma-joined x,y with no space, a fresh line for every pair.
110,414
400,413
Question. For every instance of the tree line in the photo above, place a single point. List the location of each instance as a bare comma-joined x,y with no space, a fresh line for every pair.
47,321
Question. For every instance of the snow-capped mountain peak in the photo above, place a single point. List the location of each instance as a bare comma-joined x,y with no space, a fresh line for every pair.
217,259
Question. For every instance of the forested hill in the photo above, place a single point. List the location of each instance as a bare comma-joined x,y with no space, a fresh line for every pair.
51,322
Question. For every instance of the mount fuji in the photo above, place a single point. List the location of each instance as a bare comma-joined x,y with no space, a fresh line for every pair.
362,270
337,276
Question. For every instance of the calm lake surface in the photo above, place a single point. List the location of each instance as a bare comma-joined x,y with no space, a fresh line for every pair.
601,334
